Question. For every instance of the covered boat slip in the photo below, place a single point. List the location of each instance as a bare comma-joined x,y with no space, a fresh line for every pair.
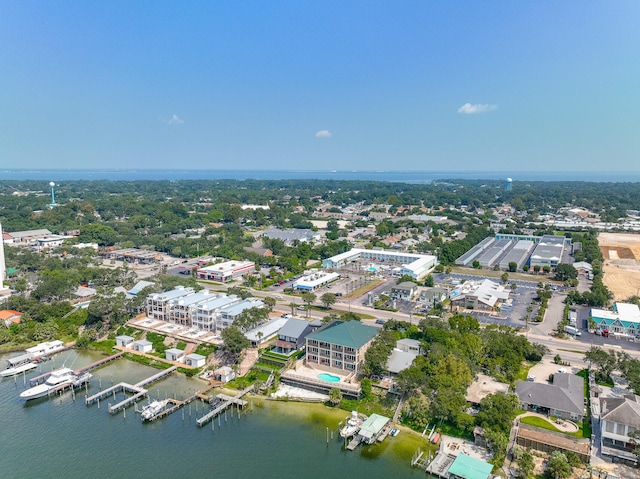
18,360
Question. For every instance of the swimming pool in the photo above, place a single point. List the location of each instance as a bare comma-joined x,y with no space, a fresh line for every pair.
330,378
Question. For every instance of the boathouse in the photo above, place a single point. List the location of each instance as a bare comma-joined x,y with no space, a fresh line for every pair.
174,354
124,341
224,374
372,428
195,360
467,467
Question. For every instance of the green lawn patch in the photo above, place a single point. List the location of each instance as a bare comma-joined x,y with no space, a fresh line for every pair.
105,346
539,422
205,349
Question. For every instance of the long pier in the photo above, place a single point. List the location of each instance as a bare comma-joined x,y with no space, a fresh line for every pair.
155,377
99,363
225,402
43,377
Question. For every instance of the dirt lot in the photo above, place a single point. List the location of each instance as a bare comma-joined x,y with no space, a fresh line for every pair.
621,253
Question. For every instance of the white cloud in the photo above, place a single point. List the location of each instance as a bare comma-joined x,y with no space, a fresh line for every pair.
175,120
323,134
469,109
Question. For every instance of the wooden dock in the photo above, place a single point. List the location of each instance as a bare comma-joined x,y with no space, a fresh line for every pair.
43,377
176,404
137,389
99,363
224,402
155,377
355,442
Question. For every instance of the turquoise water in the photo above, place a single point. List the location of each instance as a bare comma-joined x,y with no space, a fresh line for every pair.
330,378
62,437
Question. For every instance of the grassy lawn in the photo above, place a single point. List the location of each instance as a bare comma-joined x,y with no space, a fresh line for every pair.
544,424
363,289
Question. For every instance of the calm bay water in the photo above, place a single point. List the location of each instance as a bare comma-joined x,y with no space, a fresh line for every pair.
60,437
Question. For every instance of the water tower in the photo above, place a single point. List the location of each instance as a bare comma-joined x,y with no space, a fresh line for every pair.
508,184
53,203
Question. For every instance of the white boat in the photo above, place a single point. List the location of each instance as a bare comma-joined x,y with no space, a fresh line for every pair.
353,425
58,379
44,349
19,364
151,410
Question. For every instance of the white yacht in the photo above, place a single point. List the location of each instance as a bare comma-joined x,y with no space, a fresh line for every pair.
152,410
353,425
19,364
58,379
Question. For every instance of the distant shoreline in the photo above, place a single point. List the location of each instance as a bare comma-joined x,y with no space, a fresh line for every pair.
415,177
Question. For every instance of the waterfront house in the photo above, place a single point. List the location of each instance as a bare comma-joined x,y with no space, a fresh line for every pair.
124,341
195,360
292,335
339,346
174,354
402,355
564,398
619,417
142,346
482,386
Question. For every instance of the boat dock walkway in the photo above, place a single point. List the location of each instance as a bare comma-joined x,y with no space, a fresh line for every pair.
137,389
355,442
224,402
177,404
43,377
155,377
99,363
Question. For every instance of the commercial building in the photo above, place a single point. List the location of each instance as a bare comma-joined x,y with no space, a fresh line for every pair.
485,295
548,251
135,256
622,322
223,272
340,346
289,236
316,280
413,265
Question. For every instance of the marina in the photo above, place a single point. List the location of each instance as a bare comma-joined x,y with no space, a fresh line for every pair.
277,426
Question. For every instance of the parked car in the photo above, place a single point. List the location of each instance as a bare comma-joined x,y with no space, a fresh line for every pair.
380,321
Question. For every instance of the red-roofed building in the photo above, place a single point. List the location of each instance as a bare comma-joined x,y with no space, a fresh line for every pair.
10,316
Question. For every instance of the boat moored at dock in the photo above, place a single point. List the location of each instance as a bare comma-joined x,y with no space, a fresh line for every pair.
151,410
353,425
19,364
58,380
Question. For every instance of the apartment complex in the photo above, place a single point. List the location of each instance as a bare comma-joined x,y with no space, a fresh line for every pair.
202,310
340,346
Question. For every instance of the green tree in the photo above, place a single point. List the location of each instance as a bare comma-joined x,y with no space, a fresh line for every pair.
429,282
328,299
308,298
525,464
269,303
497,411
335,396
513,266
558,466
504,277
234,341
565,272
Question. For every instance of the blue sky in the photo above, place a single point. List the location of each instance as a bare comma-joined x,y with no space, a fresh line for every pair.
395,85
